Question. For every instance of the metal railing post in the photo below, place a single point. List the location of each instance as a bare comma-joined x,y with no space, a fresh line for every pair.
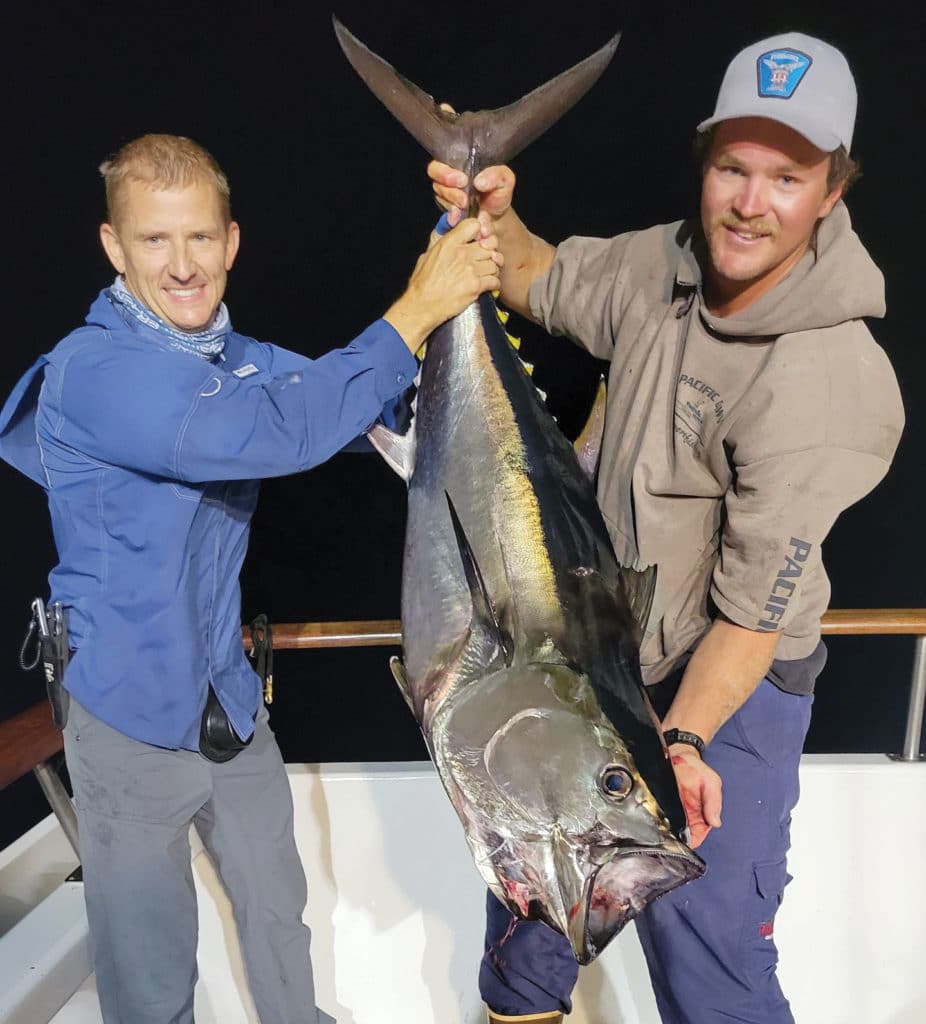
59,801
911,745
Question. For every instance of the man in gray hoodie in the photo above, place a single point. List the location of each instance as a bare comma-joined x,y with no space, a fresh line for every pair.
748,406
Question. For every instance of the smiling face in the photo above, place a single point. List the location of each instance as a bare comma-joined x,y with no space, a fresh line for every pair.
175,247
763,191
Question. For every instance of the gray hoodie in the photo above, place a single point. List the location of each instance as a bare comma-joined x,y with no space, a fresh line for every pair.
731,444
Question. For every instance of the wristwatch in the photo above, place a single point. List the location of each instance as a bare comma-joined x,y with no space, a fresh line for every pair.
680,736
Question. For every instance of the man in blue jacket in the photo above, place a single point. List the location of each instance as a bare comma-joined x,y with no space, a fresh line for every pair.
149,428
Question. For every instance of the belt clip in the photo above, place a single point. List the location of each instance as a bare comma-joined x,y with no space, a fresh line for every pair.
262,653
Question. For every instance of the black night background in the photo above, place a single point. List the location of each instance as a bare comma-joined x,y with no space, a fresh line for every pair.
334,206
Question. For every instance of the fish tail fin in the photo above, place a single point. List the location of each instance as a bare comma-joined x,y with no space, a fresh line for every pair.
508,130
471,141
412,106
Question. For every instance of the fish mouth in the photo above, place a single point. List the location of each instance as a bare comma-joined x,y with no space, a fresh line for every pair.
622,888
595,909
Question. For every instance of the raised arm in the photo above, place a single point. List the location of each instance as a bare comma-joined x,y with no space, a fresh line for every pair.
452,273
134,404
527,257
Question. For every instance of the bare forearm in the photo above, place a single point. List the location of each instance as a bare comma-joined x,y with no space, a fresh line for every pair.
724,670
527,257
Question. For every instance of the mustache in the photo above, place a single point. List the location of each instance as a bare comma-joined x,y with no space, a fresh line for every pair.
758,227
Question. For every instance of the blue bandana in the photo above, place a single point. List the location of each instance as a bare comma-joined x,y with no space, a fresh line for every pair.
207,344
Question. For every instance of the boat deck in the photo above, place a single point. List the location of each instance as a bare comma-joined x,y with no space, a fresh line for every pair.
396,909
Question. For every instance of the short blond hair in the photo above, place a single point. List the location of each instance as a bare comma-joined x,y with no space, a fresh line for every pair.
163,161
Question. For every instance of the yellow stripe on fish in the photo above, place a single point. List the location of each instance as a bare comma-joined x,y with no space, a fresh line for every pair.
527,557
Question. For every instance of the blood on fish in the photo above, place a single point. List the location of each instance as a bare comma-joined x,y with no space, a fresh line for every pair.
518,893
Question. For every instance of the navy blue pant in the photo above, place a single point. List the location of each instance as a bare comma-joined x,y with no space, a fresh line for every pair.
710,944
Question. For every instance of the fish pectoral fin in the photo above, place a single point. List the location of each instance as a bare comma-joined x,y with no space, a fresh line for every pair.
397,449
587,445
484,617
398,674
639,588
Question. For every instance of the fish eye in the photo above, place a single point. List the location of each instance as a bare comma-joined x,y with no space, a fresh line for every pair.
616,782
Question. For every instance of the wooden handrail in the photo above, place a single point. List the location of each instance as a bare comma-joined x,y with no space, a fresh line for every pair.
875,622
388,632
296,636
29,738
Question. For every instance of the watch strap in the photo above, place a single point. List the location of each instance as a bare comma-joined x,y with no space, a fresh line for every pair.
680,736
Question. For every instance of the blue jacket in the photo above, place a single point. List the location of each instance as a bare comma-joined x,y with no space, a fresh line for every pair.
151,460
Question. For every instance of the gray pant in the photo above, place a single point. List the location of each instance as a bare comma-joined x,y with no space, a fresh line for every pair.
135,803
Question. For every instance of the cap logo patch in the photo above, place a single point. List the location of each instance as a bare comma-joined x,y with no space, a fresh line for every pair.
780,72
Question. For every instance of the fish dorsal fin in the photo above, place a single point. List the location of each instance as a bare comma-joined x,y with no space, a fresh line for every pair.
483,612
588,444
639,588
471,141
397,449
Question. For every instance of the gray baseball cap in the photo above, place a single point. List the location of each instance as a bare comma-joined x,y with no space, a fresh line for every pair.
797,80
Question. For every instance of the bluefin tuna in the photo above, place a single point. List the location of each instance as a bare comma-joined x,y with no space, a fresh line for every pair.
520,638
